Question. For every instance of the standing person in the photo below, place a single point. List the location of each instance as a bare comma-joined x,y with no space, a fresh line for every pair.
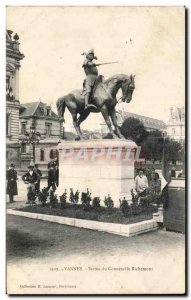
141,183
30,178
12,183
51,177
173,173
155,183
56,174
39,173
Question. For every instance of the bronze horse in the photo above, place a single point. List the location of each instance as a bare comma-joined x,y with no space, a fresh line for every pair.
104,99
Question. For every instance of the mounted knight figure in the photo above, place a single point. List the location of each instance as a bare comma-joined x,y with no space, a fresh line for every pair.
91,71
97,96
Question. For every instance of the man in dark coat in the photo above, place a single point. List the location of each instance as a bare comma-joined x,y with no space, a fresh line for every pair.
56,174
51,177
30,178
173,173
37,185
12,183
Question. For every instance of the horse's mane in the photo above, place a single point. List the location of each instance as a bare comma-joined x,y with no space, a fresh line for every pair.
117,76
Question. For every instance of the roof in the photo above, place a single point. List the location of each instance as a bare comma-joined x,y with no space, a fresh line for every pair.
36,109
147,121
177,116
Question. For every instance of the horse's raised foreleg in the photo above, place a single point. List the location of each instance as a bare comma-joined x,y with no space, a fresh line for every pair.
105,114
114,120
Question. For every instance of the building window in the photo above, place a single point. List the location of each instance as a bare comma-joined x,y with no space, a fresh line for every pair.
7,82
48,129
23,128
8,118
173,131
53,153
23,148
41,155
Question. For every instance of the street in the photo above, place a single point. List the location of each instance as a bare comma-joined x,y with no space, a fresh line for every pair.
44,252
36,239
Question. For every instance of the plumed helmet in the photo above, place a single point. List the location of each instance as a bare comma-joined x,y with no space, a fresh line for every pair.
91,51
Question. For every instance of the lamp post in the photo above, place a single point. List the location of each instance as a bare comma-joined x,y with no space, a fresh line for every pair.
164,135
183,158
33,139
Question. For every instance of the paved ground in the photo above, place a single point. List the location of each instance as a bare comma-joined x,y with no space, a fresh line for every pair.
35,239
39,253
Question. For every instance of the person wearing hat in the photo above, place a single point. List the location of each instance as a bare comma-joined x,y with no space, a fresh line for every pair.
30,178
51,177
12,183
56,174
91,71
39,173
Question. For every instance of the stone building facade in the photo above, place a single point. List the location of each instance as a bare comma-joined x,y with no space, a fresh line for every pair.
176,124
13,58
42,118
150,124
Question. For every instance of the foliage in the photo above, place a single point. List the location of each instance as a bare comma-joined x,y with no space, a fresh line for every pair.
140,208
96,202
134,197
108,202
124,205
152,148
134,129
63,199
53,199
143,203
135,208
86,199
173,150
146,200
74,197
43,196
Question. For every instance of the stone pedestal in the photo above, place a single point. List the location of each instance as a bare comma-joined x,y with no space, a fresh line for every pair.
103,166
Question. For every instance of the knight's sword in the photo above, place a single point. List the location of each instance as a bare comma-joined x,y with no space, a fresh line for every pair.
108,63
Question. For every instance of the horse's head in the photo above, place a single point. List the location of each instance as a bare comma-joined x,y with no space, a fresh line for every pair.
128,87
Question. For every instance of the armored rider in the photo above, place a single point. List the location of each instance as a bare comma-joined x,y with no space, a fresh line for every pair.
91,71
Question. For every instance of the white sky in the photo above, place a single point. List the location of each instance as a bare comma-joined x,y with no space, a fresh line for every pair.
53,38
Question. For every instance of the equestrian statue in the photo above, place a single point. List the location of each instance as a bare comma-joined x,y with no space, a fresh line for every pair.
98,95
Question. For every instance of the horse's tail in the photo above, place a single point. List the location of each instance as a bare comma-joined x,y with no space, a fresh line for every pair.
61,106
